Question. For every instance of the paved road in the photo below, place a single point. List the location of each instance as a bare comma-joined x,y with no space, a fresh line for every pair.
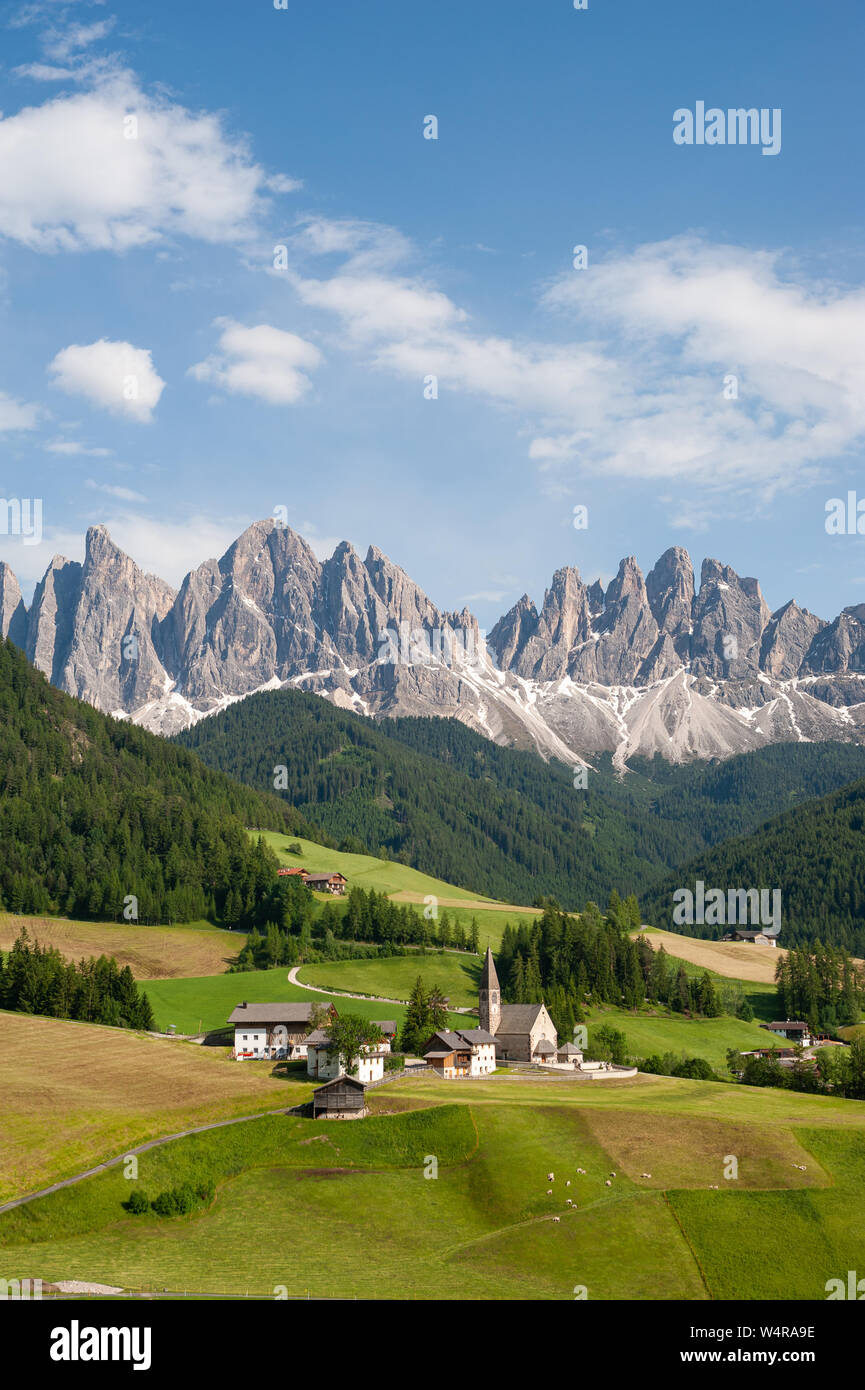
343,994
140,1149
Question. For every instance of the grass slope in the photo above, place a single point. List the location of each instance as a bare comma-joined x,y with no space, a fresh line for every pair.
346,1210
403,884
204,1004
734,959
694,1037
75,1094
152,953
457,976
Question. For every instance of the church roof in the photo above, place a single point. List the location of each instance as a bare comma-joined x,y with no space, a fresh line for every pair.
489,978
518,1018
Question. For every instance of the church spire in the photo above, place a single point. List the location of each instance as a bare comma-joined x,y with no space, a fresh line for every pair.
489,996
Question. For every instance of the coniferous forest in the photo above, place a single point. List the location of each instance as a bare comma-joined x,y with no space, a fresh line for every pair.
436,795
37,980
98,817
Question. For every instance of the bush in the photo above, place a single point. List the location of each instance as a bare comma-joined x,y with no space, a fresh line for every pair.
180,1201
138,1202
166,1203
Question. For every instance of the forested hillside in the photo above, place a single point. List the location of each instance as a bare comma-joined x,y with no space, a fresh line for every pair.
94,811
442,798
814,854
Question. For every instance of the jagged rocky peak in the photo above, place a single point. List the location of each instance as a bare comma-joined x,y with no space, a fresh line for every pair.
787,639
49,622
704,671
13,614
627,631
730,615
840,645
404,600
511,633
670,591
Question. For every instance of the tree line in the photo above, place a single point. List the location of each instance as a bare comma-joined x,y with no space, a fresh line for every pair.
36,979
570,962
100,819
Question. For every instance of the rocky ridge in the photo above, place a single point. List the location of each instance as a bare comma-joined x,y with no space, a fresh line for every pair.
649,665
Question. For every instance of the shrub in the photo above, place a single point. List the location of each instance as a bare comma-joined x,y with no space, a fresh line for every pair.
138,1202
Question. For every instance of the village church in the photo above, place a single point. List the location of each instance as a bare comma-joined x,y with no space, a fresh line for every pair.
523,1032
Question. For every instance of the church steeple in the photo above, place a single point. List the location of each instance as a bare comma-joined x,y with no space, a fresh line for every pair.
489,996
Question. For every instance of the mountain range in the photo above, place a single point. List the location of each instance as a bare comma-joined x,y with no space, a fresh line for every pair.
649,665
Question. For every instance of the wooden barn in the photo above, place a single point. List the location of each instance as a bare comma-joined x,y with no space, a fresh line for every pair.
344,1098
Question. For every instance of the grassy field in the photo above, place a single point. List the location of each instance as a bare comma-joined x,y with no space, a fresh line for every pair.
457,976
288,1194
204,1004
74,1094
735,959
403,885
152,953
695,1037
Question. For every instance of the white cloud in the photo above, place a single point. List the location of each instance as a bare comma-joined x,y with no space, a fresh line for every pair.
73,446
44,72
61,42
112,167
639,391
117,376
263,361
16,415
123,494
372,306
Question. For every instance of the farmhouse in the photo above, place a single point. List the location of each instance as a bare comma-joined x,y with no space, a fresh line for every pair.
388,1029
325,1065
523,1032
470,1052
797,1032
272,1030
319,883
344,1098
757,938
327,883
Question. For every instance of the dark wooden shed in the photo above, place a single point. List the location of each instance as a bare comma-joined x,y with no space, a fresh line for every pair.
344,1098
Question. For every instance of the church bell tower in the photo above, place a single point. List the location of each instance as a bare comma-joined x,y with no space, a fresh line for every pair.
489,996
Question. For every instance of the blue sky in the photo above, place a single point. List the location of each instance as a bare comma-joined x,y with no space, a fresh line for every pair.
152,259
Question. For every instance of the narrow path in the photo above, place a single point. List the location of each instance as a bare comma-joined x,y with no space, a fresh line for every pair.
140,1149
374,998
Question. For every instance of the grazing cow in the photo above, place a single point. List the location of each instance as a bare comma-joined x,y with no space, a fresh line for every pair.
568,1183
607,1183
612,1175
550,1177
549,1192
557,1219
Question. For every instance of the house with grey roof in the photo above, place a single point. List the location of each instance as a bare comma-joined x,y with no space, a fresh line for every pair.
323,1062
468,1052
276,1031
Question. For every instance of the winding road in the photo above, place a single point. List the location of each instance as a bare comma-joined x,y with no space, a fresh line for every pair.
142,1148
343,994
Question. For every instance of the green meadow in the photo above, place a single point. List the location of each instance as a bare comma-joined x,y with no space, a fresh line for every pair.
457,975
649,1032
345,1210
203,1003
403,884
